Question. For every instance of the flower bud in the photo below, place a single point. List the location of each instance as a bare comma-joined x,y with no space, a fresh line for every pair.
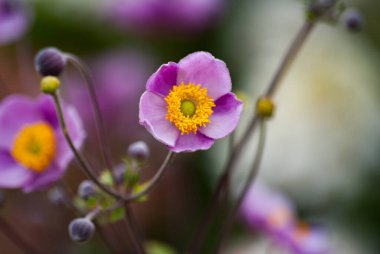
50,84
319,8
81,230
119,172
50,61
138,151
353,20
57,196
265,107
86,189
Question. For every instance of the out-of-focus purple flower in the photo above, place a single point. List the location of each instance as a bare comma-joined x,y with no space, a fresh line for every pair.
190,104
14,20
33,151
305,239
271,212
119,77
165,15
267,210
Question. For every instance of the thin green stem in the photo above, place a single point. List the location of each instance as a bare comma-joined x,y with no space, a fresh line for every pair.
221,191
16,238
228,222
101,130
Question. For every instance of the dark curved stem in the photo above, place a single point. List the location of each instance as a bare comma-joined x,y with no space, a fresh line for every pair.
132,231
221,190
84,165
228,222
18,241
101,130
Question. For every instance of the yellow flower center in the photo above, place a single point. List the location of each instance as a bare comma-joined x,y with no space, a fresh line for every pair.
189,107
34,147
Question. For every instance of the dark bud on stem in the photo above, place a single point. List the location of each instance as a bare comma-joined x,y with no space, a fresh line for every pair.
86,189
50,62
353,20
138,151
119,172
319,8
81,230
57,196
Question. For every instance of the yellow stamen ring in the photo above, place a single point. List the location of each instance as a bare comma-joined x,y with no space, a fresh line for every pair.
34,147
189,107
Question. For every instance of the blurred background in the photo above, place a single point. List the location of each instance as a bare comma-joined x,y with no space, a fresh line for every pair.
323,143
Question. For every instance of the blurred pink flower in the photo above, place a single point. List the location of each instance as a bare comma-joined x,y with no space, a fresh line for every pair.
166,15
120,77
33,150
14,20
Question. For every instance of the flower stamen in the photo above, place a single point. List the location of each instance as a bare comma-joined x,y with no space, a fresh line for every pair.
35,146
189,107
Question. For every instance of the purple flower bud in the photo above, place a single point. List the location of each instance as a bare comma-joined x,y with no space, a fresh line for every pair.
81,230
320,7
57,196
50,62
86,189
138,151
353,20
119,172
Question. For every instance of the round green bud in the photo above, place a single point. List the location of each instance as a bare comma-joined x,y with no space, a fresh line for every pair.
50,84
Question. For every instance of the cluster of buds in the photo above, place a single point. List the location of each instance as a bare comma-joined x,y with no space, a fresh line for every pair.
334,11
90,197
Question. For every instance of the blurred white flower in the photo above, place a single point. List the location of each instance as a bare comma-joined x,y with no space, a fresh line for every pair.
325,133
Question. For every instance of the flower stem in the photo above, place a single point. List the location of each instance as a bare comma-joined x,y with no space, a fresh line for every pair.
221,191
18,241
227,223
91,215
132,231
84,165
99,123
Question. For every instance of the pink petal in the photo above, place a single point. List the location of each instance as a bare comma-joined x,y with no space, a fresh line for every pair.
12,174
15,112
225,117
202,68
162,81
152,116
51,175
192,142
77,134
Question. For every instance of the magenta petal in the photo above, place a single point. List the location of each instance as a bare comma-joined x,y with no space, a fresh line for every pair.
162,81
77,134
202,68
42,180
225,117
47,108
12,174
152,115
15,112
192,142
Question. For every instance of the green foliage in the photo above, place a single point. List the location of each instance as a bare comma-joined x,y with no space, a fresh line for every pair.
154,247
